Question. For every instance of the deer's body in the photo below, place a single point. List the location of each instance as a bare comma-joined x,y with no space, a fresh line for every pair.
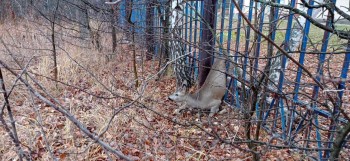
209,96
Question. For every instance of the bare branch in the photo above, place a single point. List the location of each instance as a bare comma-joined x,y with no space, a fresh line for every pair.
63,110
340,33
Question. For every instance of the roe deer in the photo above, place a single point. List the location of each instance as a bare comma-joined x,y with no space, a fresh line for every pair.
209,96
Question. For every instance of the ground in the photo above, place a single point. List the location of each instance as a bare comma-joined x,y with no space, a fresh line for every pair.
101,93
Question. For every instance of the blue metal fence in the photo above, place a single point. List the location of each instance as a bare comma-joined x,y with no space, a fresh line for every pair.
232,30
138,15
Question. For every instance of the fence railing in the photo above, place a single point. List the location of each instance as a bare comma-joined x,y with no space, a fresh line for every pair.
296,106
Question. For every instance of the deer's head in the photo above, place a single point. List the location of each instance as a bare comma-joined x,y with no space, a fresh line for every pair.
180,94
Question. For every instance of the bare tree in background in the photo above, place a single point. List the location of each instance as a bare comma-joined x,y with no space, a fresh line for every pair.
150,29
113,23
53,21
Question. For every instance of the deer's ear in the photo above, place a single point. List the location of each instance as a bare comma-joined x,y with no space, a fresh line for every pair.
184,84
184,87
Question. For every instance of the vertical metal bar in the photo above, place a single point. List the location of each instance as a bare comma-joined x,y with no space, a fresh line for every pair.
186,27
340,90
273,35
238,36
123,12
143,17
201,24
159,30
138,17
301,61
284,62
344,72
322,58
195,41
185,38
229,35
222,28
215,23
236,54
155,22
190,38
247,40
257,51
268,111
275,21
133,15
190,42
229,38
318,137
275,118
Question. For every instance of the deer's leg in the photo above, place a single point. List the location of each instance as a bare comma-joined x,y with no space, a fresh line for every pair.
215,108
178,111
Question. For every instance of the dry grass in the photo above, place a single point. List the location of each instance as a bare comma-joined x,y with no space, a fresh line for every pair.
142,133
78,67
136,131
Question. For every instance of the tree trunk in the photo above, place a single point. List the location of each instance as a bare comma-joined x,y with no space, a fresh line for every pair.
54,53
338,142
53,41
13,133
114,33
166,36
129,5
149,30
128,14
181,66
86,32
293,44
207,40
